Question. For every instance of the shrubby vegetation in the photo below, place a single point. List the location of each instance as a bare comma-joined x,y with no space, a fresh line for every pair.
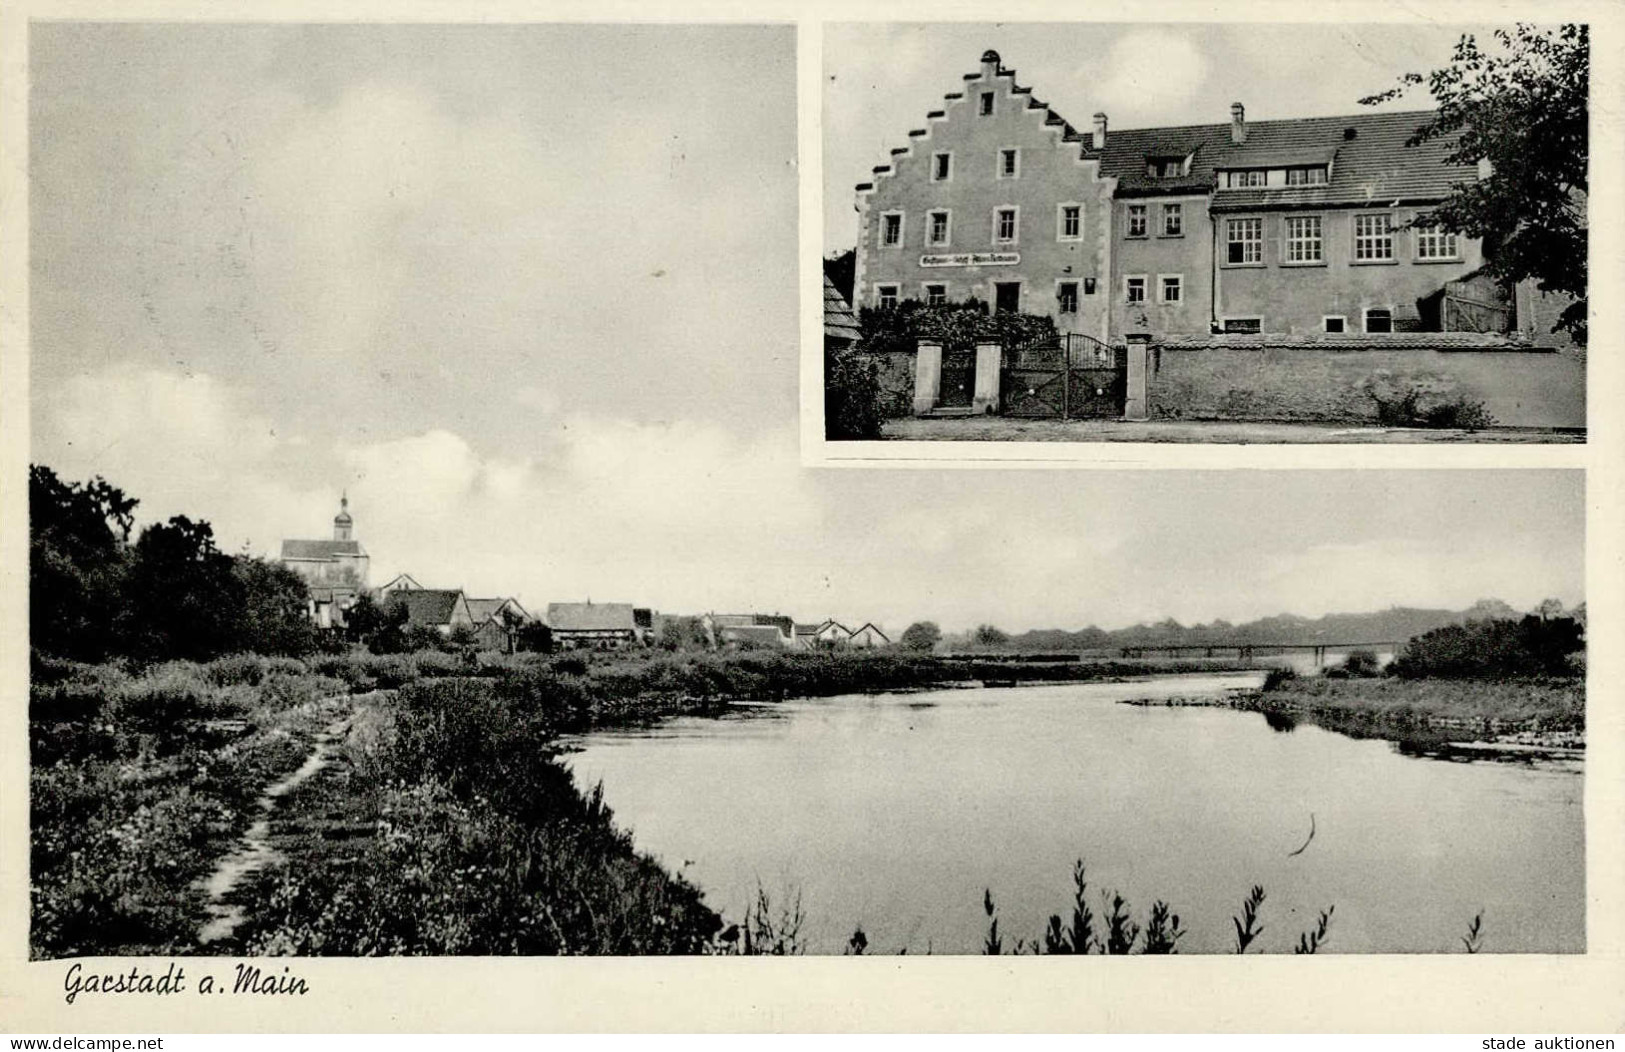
1530,646
171,594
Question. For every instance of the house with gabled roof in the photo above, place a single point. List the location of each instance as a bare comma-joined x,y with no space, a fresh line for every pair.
497,622
868,637
442,609
599,625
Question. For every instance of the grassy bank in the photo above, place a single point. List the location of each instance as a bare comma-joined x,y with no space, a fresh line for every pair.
1428,713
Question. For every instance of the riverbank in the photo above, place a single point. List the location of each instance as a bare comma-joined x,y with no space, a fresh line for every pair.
145,782
1515,719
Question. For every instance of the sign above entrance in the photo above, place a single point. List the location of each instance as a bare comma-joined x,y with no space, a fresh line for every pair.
972,259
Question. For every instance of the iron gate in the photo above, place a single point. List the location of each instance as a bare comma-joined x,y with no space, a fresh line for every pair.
1069,376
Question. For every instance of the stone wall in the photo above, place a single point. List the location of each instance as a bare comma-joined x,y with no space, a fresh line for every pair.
1295,381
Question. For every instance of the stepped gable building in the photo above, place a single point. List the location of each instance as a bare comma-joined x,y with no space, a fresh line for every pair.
1281,226
999,198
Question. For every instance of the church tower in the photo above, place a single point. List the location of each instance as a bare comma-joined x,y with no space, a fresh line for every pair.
342,521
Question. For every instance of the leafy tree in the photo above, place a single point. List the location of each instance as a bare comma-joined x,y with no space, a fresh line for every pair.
989,636
841,269
273,617
182,597
1490,649
1524,109
78,533
534,636
921,635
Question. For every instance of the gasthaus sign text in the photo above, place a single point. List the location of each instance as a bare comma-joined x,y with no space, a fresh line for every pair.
972,259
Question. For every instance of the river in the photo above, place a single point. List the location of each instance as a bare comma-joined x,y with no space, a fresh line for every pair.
894,812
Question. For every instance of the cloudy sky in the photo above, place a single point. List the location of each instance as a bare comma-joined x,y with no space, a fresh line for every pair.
528,294
881,79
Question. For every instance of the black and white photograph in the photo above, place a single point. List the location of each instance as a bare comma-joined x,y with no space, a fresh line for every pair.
424,559
1260,233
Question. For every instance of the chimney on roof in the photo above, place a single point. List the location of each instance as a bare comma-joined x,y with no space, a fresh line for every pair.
1100,131
1238,123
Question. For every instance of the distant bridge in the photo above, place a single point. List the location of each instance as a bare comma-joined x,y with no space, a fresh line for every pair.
1239,651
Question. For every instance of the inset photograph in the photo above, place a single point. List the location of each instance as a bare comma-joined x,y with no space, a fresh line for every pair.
1217,234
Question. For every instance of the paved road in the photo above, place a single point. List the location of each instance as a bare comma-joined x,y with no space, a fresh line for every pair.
983,429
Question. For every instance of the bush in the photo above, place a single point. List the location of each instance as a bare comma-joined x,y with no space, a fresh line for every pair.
1424,403
1361,664
1494,648
852,396
1277,677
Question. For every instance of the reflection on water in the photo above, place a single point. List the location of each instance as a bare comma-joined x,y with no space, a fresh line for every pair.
895,812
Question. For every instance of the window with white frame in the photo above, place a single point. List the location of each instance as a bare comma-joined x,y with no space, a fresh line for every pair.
1244,241
1435,243
1009,163
1303,239
936,295
942,167
1379,319
1173,220
1373,238
1069,222
986,104
1334,323
1134,288
1136,220
891,228
1244,325
1004,226
1066,297
1237,180
1311,176
885,295
1170,287
940,230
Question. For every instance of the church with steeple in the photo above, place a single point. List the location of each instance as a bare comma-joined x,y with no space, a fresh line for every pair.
335,570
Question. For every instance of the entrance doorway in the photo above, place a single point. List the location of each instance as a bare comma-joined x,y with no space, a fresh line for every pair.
1006,296
958,379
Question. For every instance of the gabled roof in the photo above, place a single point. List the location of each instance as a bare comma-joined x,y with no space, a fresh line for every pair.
590,617
322,550
839,321
870,626
427,607
400,581
758,633
482,610
1374,166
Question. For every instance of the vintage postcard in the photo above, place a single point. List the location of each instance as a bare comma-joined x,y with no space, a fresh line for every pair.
428,611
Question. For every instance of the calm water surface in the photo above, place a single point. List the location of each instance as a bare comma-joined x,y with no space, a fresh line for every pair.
894,812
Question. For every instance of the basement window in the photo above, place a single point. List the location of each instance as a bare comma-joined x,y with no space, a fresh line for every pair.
1244,325
1334,323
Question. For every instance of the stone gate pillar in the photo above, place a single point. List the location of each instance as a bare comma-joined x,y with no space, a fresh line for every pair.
989,361
927,376
1139,360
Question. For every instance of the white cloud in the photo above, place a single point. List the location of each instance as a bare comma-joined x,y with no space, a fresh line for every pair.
1149,64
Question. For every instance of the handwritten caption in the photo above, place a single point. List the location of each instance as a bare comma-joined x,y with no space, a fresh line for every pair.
245,979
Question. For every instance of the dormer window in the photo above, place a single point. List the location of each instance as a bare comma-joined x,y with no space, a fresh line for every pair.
1314,175
1297,175
1248,177
1165,167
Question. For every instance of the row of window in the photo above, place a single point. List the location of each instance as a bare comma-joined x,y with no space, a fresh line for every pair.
1170,288
935,294
1309,175
1303,241
939,225
1006,164
1302,236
